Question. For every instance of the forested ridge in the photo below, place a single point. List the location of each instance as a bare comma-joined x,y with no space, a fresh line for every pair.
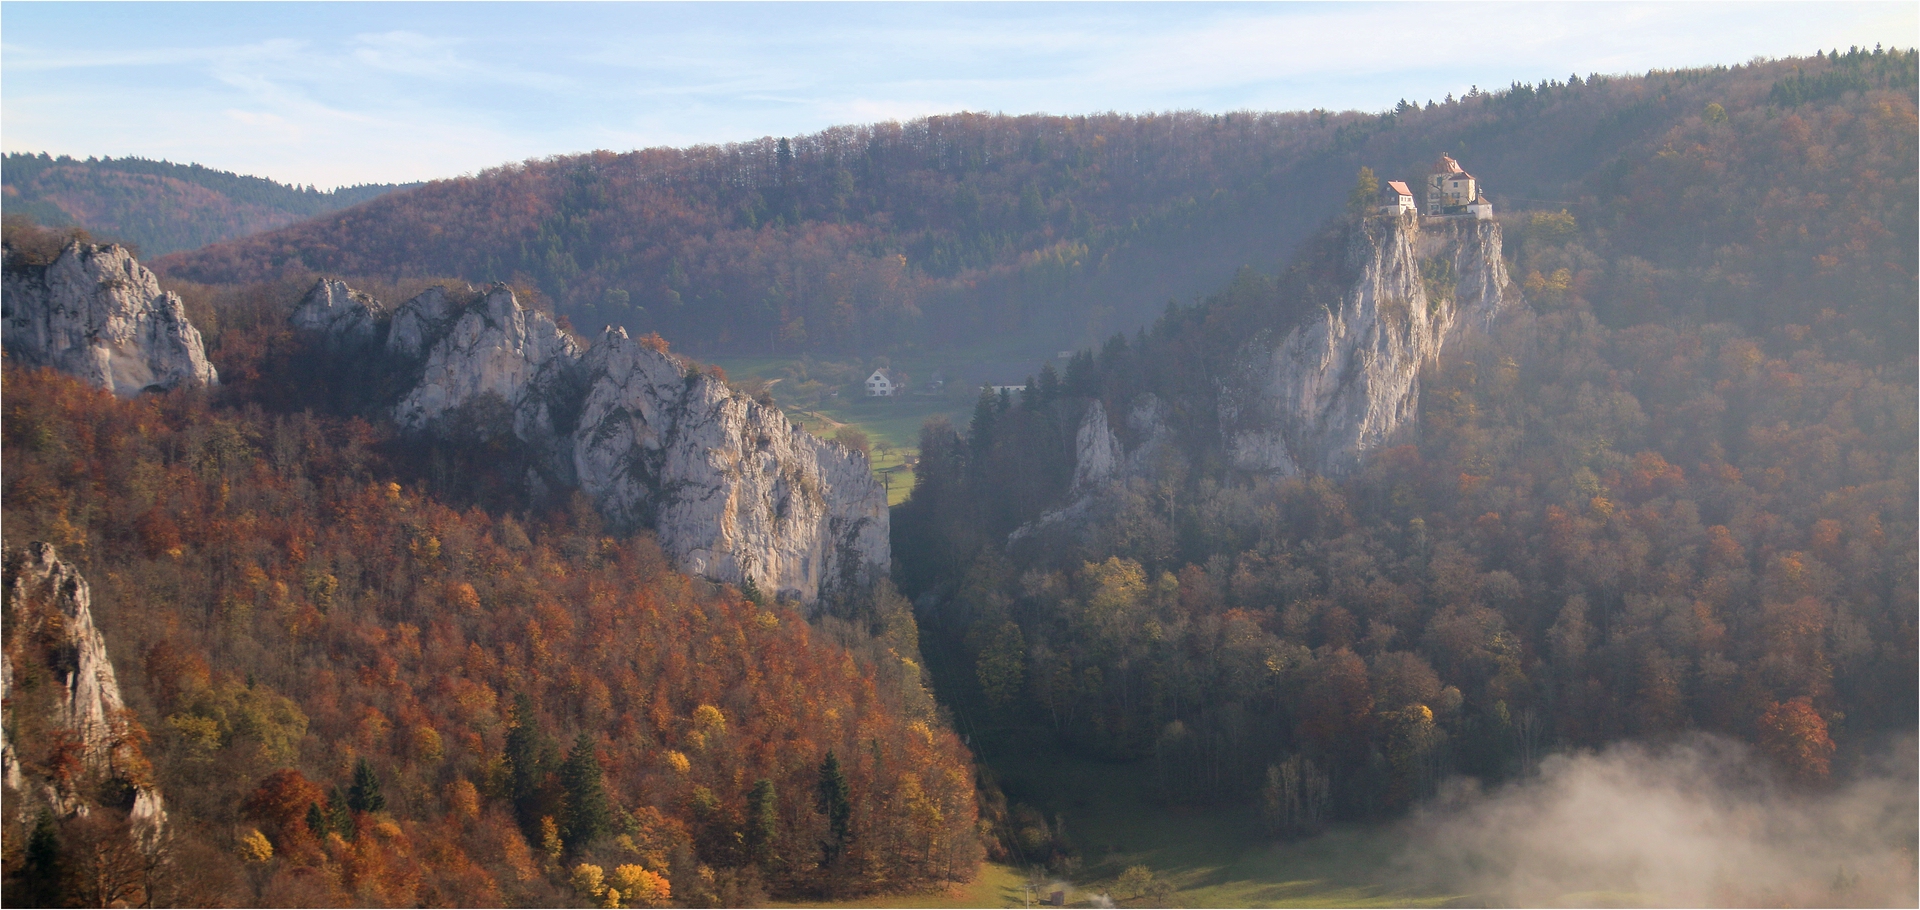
351,691
1057,230
158,206
1673,493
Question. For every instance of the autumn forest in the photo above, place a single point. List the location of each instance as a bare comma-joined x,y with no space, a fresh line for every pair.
1669,494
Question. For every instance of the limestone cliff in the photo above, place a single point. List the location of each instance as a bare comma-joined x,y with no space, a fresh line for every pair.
348,318
494,348
1339,386
1317,398
96,313
49,626
419,322
1103,461
732,489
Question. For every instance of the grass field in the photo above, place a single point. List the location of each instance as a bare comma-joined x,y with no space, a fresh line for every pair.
995,886
892,424
1210,861
1212,858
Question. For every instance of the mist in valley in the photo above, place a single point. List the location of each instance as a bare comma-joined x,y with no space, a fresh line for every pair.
1702,822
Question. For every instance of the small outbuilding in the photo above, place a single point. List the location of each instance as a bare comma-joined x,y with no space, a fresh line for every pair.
1397,199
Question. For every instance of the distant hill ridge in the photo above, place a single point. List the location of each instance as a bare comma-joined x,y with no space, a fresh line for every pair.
1056,231
159,206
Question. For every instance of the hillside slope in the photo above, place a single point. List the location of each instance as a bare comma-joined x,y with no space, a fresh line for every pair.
1671,494
352,693
158,206
1061,230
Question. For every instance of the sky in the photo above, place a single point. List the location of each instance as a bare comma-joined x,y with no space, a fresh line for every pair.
335,94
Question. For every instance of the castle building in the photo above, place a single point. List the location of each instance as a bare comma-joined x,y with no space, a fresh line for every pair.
1453,191
1397,199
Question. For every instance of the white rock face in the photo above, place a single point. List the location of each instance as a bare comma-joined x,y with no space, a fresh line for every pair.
1341,386
1330,390
347,317
733,489
39,587
98,314
1102,461
496,348
419,322
1097,452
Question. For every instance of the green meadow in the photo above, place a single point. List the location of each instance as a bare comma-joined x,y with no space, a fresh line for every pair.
823,396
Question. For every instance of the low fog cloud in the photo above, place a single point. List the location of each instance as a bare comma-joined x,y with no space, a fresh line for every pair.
1701,823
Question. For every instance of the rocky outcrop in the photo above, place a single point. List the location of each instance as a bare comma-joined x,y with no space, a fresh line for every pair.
419,322
501,349
734,491
49,610
1097,450
1102,461
1340,386
347,318
1317,399
96,313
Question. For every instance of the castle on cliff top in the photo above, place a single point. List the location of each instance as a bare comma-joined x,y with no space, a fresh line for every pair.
1451,193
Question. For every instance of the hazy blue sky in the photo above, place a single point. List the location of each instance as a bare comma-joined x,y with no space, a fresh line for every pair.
335,93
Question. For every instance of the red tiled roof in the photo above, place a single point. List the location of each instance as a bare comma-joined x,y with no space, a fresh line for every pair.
1399,187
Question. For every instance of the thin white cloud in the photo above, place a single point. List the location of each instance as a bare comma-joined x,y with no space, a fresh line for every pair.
336,93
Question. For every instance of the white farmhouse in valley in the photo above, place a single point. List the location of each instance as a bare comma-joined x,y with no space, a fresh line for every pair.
880,384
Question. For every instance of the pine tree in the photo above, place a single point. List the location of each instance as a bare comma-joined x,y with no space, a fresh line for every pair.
836,803
762,821
584,816
339,817
364,795
43,876
526,753
980,430
1049,385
